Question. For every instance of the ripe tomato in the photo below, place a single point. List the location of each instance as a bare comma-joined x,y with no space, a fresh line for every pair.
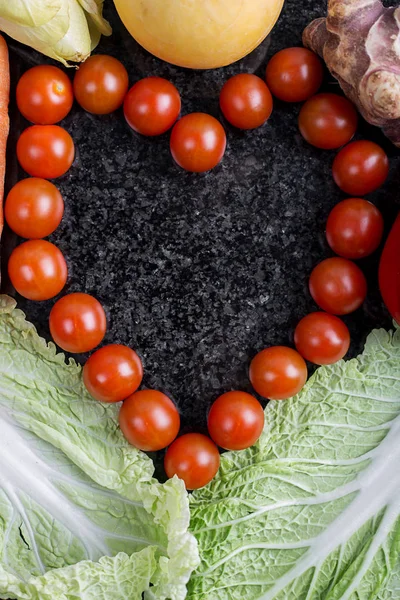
113,373
235,421
338,286
294,74
77,323
245,101
100,84
278,373
34,208
44,95
45,151
360,168
321,338
37,270
152,106
328,121
354,228
194,458
198,142
149,420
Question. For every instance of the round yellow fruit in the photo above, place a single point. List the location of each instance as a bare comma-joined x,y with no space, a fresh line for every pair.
200,34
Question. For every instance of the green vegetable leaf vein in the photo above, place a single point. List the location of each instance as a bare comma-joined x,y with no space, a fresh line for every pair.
313,510
80,513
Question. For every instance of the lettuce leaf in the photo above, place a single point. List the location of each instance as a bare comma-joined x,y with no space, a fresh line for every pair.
72,489
312,512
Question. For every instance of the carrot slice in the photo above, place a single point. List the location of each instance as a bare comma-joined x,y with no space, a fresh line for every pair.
4,118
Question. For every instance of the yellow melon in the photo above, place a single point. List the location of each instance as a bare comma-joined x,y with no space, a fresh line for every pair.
200,34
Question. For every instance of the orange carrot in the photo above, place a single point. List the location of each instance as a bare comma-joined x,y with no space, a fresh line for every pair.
4,118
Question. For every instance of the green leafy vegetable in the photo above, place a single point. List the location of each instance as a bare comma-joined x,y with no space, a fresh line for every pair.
120,577
72,489
66,30
312,512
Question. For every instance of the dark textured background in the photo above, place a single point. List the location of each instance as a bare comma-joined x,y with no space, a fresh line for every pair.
199,272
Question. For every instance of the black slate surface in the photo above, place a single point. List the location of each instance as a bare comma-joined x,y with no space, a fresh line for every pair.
199,272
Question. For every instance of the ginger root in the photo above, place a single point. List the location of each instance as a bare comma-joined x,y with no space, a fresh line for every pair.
360,43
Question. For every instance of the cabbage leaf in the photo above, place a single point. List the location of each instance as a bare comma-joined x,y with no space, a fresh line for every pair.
312,512
66,30
120,577
80,513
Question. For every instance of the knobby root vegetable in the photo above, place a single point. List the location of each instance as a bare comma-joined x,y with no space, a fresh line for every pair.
4,118
360,43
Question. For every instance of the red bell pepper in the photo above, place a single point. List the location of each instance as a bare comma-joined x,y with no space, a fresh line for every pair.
389,272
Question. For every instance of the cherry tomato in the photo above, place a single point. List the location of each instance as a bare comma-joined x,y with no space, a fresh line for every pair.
34,208
354,228
152,106
45,151
278,373
77,323
44,95
100,84
321,338
113,373
194,458
37,270
149,420
294,74
360,168
198,142
328,121
235,421
245,101
338,286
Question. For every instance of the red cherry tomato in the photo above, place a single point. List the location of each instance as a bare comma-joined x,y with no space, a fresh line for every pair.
360,168
100,84
77,323
328,121
245,101
45,151
338,286
34,208
198,142
37,270
149,420
294,74
235,421
113,373
194,458
321,338
152,106
278,373
354,228
44,95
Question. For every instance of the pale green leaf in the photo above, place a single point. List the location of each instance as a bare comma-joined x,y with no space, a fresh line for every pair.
312,512
71,487
122,577
30,13
65,30
94,11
